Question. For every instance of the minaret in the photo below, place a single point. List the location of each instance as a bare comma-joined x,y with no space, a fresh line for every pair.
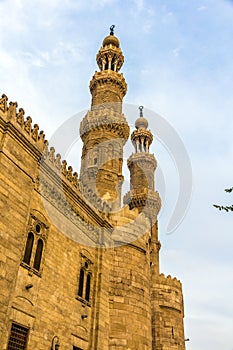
142,165
167,311
104,129
142,194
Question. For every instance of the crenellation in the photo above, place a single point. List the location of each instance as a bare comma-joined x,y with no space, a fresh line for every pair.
172,281
57,161
64,168
20,117
3,104
28,125
11,112
16,117
51,156
35,132
59,167
167,301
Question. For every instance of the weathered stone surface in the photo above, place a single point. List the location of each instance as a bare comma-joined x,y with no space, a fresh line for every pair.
83,231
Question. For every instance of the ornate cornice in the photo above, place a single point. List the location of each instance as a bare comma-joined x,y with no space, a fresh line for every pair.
78,212
107,120
142,133
86,205
146,199
110,78
143,160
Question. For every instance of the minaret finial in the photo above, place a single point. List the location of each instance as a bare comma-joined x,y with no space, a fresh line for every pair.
112,29
141,110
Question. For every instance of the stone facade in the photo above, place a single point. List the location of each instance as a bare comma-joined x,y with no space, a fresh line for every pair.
77,270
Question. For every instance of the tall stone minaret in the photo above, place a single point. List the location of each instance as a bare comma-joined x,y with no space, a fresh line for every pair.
104,129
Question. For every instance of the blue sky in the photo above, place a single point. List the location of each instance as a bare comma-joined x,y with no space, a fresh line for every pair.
178,63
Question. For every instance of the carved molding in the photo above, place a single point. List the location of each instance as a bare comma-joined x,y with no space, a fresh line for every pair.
58,199
147,199
3,103
107,77
143,160
105,119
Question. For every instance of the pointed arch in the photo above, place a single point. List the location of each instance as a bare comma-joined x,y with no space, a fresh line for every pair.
38,256
28,248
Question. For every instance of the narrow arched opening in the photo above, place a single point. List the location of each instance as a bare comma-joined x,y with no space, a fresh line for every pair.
28,248
81,283
38,256
88,287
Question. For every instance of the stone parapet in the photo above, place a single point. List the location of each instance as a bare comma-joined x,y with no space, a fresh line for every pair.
22,128
145,200
167,291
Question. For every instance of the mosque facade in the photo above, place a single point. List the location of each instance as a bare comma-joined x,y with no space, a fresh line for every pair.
79,270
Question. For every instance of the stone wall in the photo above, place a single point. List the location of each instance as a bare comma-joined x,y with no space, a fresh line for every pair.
37,190
168,313
130,306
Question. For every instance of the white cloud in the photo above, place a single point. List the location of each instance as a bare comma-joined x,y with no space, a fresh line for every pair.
139,5
176,51
201,8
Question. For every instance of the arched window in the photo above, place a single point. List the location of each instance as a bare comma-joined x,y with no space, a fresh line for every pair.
88,287
81,282
38,256
28,249
35,243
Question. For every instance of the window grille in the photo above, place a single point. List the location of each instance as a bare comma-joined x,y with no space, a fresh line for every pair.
18,337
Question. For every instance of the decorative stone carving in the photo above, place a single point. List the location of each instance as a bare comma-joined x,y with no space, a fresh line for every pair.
11,113
35,132
64,170
28,125
65,206
3,103
20,117
51,155
57,162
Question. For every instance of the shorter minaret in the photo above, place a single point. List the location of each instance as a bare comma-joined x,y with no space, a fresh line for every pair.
142,165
